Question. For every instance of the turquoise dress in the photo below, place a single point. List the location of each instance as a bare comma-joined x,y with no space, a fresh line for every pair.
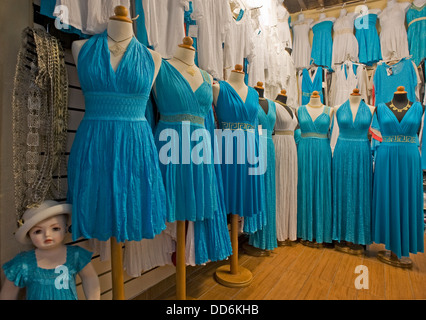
242,167
184,148
47,284
352,174
314,191
310,85
266,239
398,183
322,44
369,51
114,180
416,33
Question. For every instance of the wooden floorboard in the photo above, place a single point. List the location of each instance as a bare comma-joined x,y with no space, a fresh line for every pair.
299,272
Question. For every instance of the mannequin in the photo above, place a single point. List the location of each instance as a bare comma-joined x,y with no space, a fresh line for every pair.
262,101
120,32
236,80
400,103
354,101
316,108
282,99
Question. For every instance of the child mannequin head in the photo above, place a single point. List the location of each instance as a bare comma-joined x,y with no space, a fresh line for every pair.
49,233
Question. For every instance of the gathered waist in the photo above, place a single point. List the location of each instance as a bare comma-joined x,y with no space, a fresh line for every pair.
181,118
352,139
105,106
314,135
284,132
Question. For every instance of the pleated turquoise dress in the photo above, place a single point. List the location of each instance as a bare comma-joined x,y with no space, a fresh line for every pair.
114,180
47,284
416,32
266,239
310,85
184,146
398,183
369,51
352,174
241,164
314,191
322,44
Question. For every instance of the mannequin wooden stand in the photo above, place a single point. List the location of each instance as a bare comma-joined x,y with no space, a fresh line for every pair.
392,259
232,275
117,270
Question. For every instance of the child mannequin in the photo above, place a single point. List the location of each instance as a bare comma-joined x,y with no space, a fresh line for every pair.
48,272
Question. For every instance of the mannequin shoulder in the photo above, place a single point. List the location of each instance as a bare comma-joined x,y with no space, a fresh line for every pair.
216,89
372,109
76,47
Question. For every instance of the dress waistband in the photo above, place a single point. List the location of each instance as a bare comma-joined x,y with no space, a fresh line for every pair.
343,31
399,139
284,132
237,126
124,107
416,20
182,117
314,135
353,139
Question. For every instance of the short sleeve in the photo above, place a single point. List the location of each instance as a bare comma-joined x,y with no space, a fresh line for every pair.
79,257
16,270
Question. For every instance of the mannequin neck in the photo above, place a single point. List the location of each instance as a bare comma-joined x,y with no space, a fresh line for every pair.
343,12
354,100
260,92
315,102
119,30
281,98
301,17
400,99
236,79
185,55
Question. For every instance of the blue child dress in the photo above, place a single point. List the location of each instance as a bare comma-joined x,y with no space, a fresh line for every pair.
416,33
369,51
114,181
352,176
243,182
314,191
266,239
322,44
398,183
47,284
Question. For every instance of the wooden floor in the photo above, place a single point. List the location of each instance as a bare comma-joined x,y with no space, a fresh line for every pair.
299,272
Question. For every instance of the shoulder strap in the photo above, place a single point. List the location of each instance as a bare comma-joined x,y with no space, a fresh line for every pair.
206,76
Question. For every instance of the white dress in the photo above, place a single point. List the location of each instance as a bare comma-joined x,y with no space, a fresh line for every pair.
213,21
345,45
164,22
90,17
393,35
301,46
286,175
283,26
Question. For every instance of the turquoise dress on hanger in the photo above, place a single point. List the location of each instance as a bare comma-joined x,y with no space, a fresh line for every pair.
114,180
47,284
241,161
352,176
416,21
398,183
266,239
369,51
322,44
310,85
314,190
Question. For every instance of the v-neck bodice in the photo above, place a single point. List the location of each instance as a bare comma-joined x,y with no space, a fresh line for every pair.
350,128
267,119
175,99
320,125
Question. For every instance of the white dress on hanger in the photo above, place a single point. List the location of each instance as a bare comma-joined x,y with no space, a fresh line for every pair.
345,45
301,46
283,26
393,35
286,175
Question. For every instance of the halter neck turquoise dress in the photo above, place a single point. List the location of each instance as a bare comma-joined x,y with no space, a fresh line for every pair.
416,21
369,50
352,172
242,163
266,239
322,44
114,180
314,191
185,136
398,183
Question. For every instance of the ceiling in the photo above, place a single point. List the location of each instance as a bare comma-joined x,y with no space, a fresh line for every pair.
294,6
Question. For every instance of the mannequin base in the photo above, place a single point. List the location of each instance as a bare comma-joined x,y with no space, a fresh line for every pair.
387,257
341,247
356,249
255,252
311,244
286,243
224,276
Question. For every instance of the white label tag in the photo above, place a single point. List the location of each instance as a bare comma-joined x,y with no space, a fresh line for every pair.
193,31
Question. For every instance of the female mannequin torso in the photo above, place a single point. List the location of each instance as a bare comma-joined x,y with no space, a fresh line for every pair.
236,80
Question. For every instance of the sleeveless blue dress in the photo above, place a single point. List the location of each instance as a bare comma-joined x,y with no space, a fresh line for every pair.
322,44
369,51
114,181
398,183
314,191
352,176
241,162
309,85
47,284
266,239
184,146
416,34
